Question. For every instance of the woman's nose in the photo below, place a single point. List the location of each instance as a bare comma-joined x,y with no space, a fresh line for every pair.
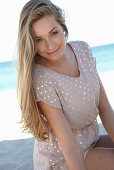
50,45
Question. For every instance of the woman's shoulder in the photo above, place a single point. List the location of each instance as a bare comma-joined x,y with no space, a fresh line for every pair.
41,75
38,72
35,70
79,43
81,47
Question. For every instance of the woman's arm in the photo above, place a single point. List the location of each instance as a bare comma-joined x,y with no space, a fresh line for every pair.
69,143
106,112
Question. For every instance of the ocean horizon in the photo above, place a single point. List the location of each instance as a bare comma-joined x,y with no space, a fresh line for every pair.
104,55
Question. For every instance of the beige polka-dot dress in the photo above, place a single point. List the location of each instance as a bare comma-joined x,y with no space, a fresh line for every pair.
78,97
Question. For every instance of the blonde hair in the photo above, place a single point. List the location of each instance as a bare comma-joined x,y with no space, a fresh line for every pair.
31,118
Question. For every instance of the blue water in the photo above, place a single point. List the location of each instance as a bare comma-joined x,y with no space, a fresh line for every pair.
8,76
104,56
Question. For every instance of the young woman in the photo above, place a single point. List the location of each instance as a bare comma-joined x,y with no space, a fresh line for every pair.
60,94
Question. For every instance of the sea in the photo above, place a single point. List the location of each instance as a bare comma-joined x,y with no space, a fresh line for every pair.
104,57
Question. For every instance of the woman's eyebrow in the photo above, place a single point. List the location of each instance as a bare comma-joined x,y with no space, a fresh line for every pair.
48,33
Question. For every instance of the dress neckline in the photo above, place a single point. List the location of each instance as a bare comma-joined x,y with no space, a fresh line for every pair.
76,56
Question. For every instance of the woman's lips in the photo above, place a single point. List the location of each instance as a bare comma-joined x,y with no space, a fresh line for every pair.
53,52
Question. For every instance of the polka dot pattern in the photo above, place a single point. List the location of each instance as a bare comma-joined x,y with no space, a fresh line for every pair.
45,92
78,97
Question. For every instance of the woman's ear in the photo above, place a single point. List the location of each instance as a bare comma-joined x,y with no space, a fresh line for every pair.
65,35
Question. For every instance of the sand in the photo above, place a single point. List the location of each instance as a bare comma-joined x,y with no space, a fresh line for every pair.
16,148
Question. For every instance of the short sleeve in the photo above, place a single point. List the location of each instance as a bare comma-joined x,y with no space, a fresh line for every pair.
45,91
91,58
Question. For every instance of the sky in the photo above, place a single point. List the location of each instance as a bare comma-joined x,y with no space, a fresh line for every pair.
87,20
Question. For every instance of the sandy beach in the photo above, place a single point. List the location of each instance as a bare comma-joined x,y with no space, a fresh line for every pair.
16,148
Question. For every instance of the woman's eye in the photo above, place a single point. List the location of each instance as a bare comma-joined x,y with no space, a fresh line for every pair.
38,40
54,33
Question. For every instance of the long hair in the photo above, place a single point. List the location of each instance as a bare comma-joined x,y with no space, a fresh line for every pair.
31,118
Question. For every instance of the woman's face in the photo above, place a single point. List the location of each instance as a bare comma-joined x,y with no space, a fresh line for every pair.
49,38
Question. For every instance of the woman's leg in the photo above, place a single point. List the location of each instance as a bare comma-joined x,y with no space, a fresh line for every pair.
101,157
